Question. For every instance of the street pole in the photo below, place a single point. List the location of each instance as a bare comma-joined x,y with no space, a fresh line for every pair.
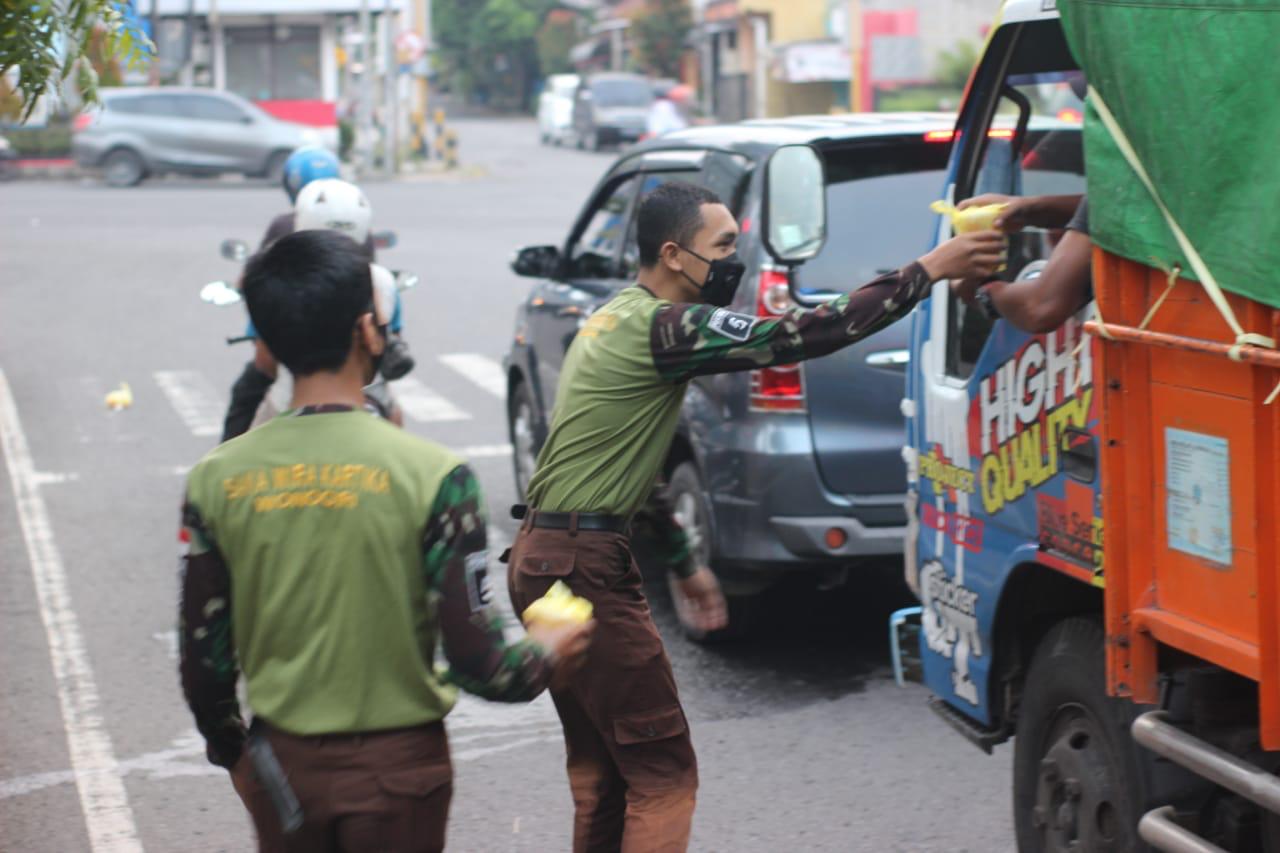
365,123
153,74
391,80
856,48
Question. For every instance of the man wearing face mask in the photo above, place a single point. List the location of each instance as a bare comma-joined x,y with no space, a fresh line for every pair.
330,553
631,765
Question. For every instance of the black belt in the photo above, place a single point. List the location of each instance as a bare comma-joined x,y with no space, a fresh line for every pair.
565,520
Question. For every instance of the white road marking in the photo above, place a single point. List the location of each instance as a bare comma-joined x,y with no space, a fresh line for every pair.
194,399
107,815
53,478
484,451
424,405
483,371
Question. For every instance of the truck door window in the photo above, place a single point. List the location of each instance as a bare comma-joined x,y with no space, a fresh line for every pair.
1048,159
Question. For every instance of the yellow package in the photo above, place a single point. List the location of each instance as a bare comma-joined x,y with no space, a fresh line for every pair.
558,607
980,218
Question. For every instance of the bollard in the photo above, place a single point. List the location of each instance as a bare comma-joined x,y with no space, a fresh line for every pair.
451,149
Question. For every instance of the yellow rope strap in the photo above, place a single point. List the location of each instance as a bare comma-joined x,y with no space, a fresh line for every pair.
1207,281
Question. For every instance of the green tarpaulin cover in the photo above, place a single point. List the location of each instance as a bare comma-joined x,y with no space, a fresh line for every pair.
1193,84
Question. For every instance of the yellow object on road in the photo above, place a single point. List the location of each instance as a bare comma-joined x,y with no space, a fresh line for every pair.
121,398
558,607
980,218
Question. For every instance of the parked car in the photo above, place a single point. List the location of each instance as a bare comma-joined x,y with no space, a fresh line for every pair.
139,132
787,471
555,108
610,109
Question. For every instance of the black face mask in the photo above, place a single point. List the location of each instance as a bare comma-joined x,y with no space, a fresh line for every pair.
723,275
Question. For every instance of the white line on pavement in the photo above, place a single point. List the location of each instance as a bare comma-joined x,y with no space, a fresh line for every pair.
424,405
483,371
484,451
107,815
195,400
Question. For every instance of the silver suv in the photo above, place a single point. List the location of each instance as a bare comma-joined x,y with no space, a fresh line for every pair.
146,131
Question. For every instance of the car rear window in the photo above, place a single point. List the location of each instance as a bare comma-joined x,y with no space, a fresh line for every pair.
621,93
878,216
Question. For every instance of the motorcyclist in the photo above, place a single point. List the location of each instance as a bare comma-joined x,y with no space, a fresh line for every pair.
304,167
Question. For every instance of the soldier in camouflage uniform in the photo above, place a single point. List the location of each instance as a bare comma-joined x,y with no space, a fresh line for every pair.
330,553
631,764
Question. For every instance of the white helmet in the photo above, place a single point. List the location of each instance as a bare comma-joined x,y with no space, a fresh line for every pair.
333,205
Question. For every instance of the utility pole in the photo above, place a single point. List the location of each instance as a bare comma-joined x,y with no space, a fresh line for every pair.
154,71
391,81
365,122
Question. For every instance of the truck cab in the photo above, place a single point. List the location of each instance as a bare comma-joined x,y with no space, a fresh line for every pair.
1001,452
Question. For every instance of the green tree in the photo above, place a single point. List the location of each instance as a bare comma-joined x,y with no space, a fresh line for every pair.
955,65
489,47
48,41
659,33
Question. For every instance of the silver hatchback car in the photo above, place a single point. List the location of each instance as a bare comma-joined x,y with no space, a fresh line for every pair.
146,131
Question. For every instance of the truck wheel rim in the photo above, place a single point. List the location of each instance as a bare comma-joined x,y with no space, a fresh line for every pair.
1078,807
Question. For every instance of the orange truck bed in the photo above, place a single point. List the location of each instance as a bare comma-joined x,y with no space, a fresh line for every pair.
1191,483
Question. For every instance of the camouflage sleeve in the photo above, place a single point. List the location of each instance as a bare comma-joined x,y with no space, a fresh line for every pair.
456,562
657,522
207,657
697,340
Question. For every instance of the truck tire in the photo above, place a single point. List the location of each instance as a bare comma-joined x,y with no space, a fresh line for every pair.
1076,781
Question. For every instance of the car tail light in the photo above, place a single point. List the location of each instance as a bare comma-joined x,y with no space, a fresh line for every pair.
81,122
776,389
949,135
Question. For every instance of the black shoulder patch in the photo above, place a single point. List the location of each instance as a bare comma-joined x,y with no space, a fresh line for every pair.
736,327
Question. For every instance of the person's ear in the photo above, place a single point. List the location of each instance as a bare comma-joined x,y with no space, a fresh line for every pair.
370,337
670,254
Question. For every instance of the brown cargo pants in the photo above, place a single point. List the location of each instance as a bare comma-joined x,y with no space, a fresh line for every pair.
632,769
384,791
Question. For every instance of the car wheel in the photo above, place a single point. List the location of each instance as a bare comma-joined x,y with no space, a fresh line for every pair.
123,168
524,442
692,510
275,166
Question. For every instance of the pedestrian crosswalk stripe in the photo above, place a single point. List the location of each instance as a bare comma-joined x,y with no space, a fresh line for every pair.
483,371
195,400
424,405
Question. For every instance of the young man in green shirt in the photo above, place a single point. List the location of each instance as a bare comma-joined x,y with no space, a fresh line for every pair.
329,553
631,764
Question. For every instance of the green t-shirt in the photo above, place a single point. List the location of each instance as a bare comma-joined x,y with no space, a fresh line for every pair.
624,378
320,520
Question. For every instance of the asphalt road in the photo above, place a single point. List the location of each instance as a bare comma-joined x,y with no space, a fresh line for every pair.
804,741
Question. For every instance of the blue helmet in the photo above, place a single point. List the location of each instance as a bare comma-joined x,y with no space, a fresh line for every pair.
307,164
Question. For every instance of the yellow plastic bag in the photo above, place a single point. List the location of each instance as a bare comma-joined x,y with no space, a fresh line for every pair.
980,218
558,607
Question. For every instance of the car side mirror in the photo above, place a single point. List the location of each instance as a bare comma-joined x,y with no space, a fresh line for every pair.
234,250
795,204
536,261
385,239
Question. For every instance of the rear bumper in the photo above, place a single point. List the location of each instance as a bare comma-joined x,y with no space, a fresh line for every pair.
772,512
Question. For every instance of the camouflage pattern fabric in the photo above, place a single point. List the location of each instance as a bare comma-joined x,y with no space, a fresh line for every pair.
690,340
456,559
207,657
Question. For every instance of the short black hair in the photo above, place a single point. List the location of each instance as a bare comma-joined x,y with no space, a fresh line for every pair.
304,293
672,212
